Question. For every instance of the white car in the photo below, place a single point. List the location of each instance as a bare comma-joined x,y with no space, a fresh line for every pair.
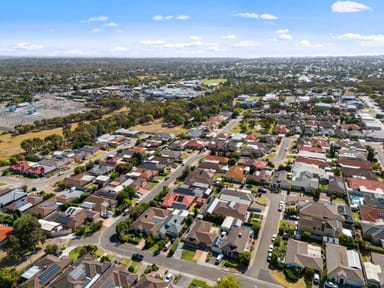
270,248
273,237
168,277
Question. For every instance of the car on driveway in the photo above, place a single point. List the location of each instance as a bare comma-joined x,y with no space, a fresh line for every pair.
316,278
137,257
168,277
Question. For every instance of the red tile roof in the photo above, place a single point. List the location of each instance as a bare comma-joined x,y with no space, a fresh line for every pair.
356,183
4,232
172,197
220,159
371,213
235,172
358,164
317,162
311,149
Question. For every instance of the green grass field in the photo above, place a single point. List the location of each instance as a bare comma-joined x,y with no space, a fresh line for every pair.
214,81
188,255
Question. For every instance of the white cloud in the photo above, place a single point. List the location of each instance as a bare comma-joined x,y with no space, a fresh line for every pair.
366,40
111,24
284,36
229,36
282,31
245,44
119,49
27,46
195,38
96,30
268,17
152,42
161,18
247,15
98,19
253,15
307,43
183,17
348,7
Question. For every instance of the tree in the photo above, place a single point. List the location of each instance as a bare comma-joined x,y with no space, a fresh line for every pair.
244,258
371,154
228,281
27,234
8,277
51,249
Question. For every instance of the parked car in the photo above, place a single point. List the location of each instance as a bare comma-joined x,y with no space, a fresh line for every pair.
273,237
270,248
168,277
269,257
219,258
262,190
316,278
166,246
137,257
330,284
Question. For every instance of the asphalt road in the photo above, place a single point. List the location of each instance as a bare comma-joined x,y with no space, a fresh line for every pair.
260,267
281,153
378,146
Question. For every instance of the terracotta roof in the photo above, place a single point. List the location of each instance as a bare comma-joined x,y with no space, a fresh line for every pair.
172,197
317,162
220,159
235,172
359,164
356,183
4,232
371,213
310,149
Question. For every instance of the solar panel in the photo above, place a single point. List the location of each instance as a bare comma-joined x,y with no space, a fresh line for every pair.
63,220
77,272
108,284
49,273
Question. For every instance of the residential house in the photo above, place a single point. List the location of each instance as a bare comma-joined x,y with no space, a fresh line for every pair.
173,155
99,204
24,204
45,271
200,236
355,164
194,144
375,271
150,220
303,255
260,177
364,185
371,214
199,176
172,226
177,201
240,196
236,241
317,162
87,270
336,187
148,281
5,231
98,170
197,190
72,218
48,206
235,174
8,195
280,180
344,266
320,220
373,232
79,181
28,168
116,276
222,208
357,173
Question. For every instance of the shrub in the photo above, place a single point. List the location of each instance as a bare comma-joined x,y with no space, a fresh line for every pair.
292,275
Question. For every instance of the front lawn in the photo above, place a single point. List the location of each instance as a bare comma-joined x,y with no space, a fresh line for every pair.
199,284
280,278
261,201
188,255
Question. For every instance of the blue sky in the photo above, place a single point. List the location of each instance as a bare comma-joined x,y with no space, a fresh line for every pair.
177,28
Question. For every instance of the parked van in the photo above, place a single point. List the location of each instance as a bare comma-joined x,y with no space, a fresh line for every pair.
219,258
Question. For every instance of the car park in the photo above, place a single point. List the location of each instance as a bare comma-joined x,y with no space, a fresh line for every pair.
137,257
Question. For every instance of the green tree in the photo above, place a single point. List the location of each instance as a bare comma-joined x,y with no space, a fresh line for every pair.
228,281
8,277
27,234
244,258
